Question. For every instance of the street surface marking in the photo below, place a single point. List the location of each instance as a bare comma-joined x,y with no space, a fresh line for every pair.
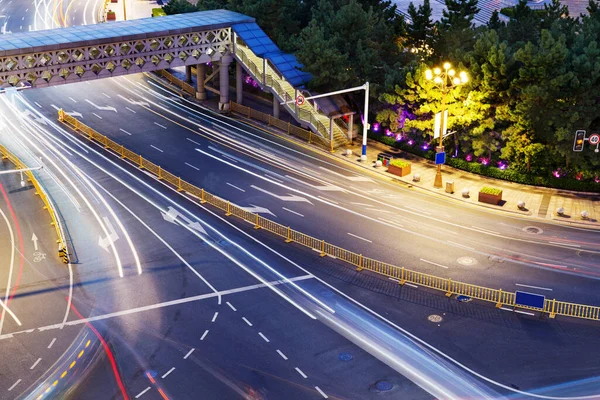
51,343
154,147
485,230
204,334
326,199
188,354
350,178
230,158
233,186
293,212
361,204
289,197
460,245
142,392
281,354
566,244
272,177
214,318
390,222
379,210
36,363
417,210
106,95
193,141
406,283
73,100
38,104
517,311
191,166
431,262
97,115
264,337
322,392
130,109
301,373
246,321
123,130
168,372
361,238
162,126
14,384
231,306
532,287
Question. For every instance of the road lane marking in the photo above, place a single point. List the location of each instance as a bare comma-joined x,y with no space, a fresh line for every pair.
460,245
406,283
107,96
272,177
362,204
361,238
484,230
142,392
214,318
36,363
97,115
51,343
326,199
191,166
73,100
566,244
168,373
281,354
246,321
154,147
417,210
301,373
130,109
532,287
162,126
123,130
322,392
193,141
293,212
230,158
264,337
38,104
204,334
233,186
189,353
354,178
517,311
433,263
390,222
379,210
231,306
14,385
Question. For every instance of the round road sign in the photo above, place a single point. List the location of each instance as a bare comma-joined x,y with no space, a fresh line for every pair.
594,139
300,100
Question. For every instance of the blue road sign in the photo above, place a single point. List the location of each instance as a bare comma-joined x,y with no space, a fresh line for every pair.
529,300
440,158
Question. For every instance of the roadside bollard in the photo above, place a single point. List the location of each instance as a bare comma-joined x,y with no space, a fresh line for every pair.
416,178
521,204
348,152
585,214
465,192
560,211
378,163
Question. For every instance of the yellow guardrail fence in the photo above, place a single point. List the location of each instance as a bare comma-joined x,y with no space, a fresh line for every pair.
402,275
62,248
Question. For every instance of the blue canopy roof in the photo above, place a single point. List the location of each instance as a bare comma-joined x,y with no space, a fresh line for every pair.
263,46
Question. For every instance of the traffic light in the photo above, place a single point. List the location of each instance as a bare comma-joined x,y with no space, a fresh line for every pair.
579,139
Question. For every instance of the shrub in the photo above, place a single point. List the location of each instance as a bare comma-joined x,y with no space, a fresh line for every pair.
396,162
490,190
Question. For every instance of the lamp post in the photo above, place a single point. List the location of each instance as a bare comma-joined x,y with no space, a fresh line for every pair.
445,79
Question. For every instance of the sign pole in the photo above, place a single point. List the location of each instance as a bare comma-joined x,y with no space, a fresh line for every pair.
363,156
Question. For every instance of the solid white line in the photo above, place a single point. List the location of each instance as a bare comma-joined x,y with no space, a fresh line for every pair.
14,384
362,204
390,222
264,337
204,334
214,318
10,272
162,126
417,210
191,166
275,179
322,392
379,210
292,211
36,363
123,130
153,146
142,392
230,158
130,109
231,306
431,262
106,95
193,141
484,230
168,372
532,287
517,311
301,373
51,343
233,186
326,199
73,100
188,354
38,104
97,115
246,321
565,244
361,238
460,245
281,354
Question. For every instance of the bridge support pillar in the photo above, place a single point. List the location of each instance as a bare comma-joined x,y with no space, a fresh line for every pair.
200,76
275,107
188,73
239,83
224,84
351,128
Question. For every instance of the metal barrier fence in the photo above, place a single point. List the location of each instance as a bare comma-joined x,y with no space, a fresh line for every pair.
186,87
401,274
62,248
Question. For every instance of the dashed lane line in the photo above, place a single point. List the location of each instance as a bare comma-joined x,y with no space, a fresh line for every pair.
204,334
264,337
191,166
36,363
321,392
302,374
189,353
281,354
130,110
156,148
231,306
162,126
214,318
246,321
140,394
361,238
14,385
292,211
168,373
235,187
433,263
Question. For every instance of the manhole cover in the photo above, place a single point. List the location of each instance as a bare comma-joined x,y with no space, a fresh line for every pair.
435,318
345,356
384,386
534,230
467,261
463,299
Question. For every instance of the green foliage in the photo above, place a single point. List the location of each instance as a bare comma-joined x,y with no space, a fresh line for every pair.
491,190
158,12
178,7
396,162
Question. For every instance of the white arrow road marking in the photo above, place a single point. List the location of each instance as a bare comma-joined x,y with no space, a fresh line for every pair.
324,188
39,120
258,210
137,103
104,108
34,239
72,113
172,214
111,238
350,178
289,197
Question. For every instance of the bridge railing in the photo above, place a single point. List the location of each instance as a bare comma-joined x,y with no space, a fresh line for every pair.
402,275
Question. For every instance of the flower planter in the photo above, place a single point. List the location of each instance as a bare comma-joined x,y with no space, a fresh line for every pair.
490,198
111,16
400,171
114,1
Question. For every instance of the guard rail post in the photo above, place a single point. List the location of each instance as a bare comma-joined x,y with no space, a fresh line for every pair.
449,291
122,151
202,201
105,142
499,303
289,235
553,309
159,173
323,254
289,124
61,115
402,278
360,263
228,213
141,162
256,226
179,188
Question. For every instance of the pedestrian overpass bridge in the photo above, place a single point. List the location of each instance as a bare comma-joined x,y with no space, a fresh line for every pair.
82,53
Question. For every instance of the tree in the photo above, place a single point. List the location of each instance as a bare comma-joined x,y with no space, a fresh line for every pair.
456,30
421,33
178,7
